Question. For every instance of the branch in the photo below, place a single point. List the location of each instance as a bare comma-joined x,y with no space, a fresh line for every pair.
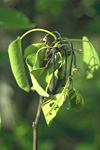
35,126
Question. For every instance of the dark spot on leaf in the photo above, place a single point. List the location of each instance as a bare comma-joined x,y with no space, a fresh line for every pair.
56,107
50,113
51,104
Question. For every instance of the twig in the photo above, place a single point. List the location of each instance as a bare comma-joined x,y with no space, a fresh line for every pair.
35,126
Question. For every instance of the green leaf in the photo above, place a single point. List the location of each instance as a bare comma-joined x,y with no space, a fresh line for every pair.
40,80
40,55
17,64
30,61
32,49
90,58
51,107
14,19
75,101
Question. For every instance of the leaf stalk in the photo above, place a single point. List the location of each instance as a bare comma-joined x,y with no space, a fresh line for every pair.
38,29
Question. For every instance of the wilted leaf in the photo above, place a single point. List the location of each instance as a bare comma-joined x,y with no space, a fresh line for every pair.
17,64
32,49
40,56
51,107
40,79
75,100
90,58
30,61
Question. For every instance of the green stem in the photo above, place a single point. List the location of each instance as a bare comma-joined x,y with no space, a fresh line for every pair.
38,29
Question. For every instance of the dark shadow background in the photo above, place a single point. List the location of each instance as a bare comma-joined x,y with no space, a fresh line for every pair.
70,130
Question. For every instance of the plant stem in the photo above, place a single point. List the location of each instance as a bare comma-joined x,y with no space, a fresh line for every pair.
38,29
35,126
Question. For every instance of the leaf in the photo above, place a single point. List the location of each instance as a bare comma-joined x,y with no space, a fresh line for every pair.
40,55
17,64
75,101
90,58
14,19
30,61
39,80
51,107
32,49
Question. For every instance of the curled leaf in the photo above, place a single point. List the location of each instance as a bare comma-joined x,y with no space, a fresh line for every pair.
17,64
75,101
31,49
39,79
30,61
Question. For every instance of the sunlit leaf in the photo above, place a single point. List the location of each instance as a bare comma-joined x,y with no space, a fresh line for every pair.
90,58
17,64
40,80
51,107
75,101
14,19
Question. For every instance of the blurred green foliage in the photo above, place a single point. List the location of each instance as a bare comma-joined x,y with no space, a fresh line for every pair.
53,7
14,19
3,57
70,130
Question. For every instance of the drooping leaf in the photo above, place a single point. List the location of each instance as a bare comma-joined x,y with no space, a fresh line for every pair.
40,79
32,49
14,19
51,107
30,61
38,75
40,56
75,101
90,58
17,64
